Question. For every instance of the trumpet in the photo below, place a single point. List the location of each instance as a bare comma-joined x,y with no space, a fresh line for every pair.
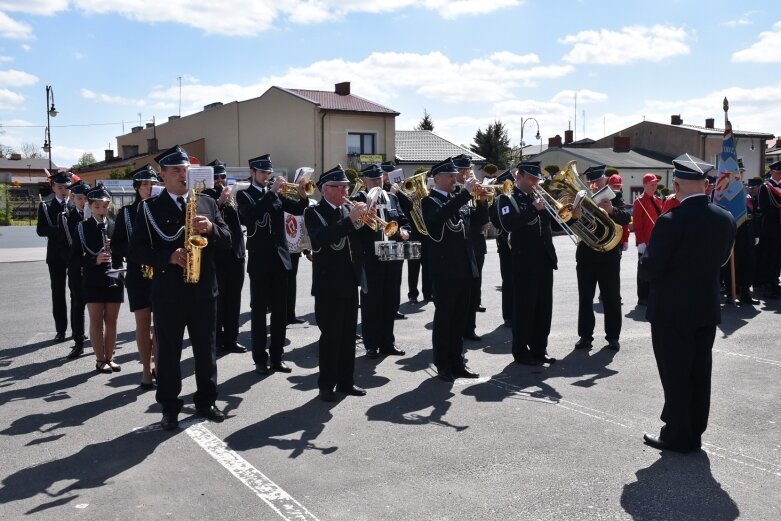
490,192
291,189
373,221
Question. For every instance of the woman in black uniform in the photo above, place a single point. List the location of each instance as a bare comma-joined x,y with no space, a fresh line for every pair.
102,293
138,279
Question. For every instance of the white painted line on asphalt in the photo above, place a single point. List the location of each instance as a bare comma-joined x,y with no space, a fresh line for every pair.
734,457
272,494
754,358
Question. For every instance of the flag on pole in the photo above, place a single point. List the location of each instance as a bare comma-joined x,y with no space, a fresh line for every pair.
729,192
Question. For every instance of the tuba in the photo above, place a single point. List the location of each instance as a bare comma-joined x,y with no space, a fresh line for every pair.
414,187
193,242
595,227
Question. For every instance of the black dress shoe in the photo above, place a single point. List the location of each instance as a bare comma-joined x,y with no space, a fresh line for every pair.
262,369
658,443
236,348
400,316
445,375
352,391
76,351
413,300
327,396
372,353
545,359
464,372
748,300
614,345
280,367
295,320
480,309
169,422
59,337
472,336
583,343
393,350
211,413
146,386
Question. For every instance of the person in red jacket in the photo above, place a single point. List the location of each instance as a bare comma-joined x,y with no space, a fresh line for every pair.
646,209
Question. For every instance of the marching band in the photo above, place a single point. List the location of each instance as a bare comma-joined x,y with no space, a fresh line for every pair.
185,253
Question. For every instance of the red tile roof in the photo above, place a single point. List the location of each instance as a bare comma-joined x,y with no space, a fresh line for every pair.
332,101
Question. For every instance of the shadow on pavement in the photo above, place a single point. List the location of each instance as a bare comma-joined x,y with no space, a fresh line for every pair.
678,486
734,318
309,420
403,409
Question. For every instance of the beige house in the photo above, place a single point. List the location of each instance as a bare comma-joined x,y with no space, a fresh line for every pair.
297,127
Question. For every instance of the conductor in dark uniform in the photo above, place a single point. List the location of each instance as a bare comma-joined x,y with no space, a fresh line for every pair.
49,222
687,248
158,241
603,269
478,218
380,296
336,266
230,265
505,257
68,229
261,208
524,217
453,268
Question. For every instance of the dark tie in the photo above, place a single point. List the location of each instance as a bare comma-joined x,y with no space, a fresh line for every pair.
180,200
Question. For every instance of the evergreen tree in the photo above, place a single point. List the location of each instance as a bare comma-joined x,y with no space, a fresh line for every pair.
426,123
493,144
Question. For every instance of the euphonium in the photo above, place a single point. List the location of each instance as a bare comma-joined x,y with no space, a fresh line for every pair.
595,227
414,187
193,242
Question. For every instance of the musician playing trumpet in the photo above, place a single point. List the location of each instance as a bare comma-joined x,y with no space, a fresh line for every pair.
380,295
599,267
261,209
158,240
524,217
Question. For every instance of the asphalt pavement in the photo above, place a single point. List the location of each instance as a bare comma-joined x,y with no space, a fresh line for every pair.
520,443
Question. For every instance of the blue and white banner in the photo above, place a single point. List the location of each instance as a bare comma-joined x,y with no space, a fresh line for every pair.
729,192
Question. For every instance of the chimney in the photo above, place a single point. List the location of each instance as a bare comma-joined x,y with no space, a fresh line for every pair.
568,136
150,125
109,155
710,123
211,106
136,129
129,151
675,119
554,141
151,145
621,144
173,118
342,89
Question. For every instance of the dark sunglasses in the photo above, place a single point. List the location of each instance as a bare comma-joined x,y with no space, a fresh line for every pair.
221,176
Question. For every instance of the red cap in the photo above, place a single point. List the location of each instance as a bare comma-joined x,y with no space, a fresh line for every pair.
615,180
649,178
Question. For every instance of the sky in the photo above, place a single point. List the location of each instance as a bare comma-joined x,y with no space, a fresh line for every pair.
114,63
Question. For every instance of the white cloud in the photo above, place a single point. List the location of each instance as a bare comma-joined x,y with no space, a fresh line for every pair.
114,100
509,58
585,96
38,7
13,29
10,100
765,50
745,19
6,59
14,78
632,44
26,47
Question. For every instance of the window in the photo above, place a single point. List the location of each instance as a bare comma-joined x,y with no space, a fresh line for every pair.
360,143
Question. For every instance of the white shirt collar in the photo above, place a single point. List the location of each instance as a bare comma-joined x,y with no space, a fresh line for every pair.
446,194
693,195
175,197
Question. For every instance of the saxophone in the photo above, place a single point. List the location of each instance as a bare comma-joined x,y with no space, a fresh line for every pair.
193,242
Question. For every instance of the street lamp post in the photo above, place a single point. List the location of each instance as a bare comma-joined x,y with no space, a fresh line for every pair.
51,112
537,136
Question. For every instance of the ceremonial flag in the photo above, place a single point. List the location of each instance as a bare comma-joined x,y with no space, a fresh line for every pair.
729,192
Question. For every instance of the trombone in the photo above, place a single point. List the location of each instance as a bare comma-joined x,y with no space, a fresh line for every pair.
561,212
374,221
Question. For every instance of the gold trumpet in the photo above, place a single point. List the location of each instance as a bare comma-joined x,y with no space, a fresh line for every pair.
373,221
490,192
291,189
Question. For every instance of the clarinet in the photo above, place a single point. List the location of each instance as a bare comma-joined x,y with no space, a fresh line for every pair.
107,249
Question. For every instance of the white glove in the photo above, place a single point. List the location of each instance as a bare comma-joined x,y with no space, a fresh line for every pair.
641,248
756,241
624,246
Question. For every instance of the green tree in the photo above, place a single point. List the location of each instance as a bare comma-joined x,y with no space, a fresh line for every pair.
86,159
420,170
426,123
121,173
552,169
493,144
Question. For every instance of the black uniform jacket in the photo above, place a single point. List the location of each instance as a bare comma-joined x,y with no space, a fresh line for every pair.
159,231
49,222
528,228
336,253
68,234
769,212
120,240
230,214
502,246
621,216
688,246
263,216
87,244
447,222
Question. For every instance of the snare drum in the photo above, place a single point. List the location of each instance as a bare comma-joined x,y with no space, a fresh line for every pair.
411,250
383,251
